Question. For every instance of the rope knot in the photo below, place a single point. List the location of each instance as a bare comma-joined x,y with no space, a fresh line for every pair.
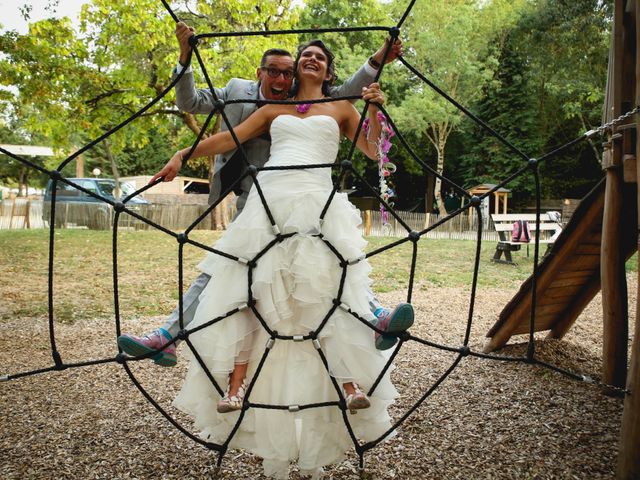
182,334
219,105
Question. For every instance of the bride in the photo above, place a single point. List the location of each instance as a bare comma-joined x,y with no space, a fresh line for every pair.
294,284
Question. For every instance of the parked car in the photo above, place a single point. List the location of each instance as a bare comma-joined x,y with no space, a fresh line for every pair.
76,207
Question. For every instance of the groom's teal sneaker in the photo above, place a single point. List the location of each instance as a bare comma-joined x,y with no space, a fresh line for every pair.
394,321
151,342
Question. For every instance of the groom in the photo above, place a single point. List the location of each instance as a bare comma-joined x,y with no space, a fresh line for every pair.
274,79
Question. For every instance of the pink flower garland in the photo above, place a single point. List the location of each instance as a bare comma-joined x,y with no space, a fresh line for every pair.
385,167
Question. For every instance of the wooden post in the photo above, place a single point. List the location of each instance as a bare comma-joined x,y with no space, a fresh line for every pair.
13,210
367,223
225,212
629,452
614,287
27,214
215,218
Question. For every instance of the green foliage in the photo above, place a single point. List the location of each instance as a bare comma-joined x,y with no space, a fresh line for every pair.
13,173
240,56
452,44
352,48
72,86
507,110
549,89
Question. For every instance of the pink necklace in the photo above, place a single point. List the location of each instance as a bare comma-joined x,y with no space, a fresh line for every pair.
303,107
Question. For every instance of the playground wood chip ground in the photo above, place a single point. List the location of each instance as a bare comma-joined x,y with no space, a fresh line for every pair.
488,420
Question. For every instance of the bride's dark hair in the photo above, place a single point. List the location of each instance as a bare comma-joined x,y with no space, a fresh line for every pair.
326,85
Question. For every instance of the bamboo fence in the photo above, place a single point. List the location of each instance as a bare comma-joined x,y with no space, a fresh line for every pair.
28,214
456,228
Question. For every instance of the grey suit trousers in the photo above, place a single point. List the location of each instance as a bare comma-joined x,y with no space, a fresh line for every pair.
190,300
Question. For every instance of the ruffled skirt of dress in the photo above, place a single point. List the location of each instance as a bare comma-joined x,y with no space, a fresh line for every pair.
294,284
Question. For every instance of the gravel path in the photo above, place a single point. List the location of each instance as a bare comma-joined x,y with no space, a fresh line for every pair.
488,420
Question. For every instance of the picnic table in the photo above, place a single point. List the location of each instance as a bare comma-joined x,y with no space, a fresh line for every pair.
550,228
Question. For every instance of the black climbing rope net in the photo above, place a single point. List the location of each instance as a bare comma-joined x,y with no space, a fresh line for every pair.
529,165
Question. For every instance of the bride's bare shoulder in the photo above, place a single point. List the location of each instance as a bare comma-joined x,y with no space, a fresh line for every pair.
268,113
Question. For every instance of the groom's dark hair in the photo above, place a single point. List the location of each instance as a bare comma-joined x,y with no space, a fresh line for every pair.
279,52
326,85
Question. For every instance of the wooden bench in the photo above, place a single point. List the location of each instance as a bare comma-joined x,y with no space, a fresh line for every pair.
503,223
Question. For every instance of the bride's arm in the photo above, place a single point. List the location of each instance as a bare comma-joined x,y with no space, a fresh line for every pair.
257,124
366,143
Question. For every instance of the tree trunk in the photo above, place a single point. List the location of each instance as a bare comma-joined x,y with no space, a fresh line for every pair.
22,190
114,168
192,123
428,198
438,186
79,166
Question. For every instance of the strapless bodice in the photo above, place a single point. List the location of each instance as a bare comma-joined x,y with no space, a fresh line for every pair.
303,140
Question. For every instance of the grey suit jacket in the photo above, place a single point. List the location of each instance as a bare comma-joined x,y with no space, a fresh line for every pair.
228,166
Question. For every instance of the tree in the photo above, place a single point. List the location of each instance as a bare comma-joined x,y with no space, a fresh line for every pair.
548,89
506,106
451,43
74,86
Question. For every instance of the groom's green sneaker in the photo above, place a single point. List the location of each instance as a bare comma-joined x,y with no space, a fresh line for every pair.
155,341
393,321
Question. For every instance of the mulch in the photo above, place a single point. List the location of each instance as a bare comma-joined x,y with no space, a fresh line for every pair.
488,420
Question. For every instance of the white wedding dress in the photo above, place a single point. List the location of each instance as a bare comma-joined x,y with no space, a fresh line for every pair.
294,284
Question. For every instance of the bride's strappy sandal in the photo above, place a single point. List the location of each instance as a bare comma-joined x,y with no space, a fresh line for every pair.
357,400
234,402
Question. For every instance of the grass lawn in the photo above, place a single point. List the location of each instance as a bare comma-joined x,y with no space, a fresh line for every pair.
148,271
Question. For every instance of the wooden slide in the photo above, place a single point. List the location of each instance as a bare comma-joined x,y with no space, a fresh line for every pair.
568,277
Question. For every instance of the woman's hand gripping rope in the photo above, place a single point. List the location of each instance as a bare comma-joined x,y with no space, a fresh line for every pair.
372,126
171,168
383,143
373,94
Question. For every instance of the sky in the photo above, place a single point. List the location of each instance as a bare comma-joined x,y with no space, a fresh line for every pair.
12,20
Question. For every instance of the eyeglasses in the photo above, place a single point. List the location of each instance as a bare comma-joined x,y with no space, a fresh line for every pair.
276,72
